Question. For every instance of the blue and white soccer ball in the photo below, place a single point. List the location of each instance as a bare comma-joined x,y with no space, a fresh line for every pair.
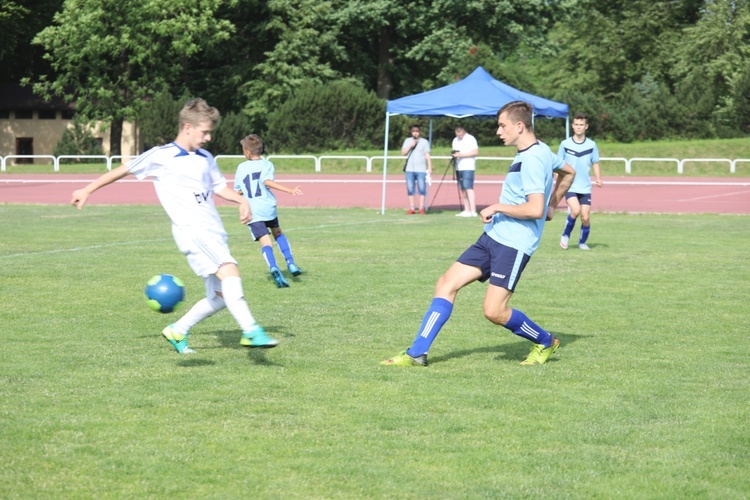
165,293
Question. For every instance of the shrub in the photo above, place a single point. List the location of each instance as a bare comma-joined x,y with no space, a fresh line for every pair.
225,139
159,119
324,117
78,140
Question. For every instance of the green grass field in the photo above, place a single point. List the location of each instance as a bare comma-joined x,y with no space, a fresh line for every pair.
647,398
719,148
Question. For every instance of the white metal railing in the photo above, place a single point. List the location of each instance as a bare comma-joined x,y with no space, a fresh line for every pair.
614,158
13,157
81,157
109,160
370,160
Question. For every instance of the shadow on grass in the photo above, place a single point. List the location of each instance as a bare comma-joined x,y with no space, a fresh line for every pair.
195,362
515,351
230,339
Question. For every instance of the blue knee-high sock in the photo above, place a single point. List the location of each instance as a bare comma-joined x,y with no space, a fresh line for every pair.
268,256
434,319
285,248
569,226
584,234
522,326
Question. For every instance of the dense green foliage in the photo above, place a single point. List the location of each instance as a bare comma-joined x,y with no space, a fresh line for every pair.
340,115
78,140
647,397
642,70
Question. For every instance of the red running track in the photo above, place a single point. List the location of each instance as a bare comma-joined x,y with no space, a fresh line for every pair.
725,195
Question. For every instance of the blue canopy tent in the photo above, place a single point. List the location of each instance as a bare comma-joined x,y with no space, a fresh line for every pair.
476,95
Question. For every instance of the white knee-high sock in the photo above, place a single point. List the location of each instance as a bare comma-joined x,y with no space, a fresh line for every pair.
234,298
200,311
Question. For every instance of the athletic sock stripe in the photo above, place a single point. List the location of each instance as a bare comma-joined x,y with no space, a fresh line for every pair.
530,331
430,323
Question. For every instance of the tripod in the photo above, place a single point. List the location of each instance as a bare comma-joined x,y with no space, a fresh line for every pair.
451,166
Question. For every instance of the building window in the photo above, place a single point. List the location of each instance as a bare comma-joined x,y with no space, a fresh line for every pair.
24,114
4,114
24,146
47,114
68,114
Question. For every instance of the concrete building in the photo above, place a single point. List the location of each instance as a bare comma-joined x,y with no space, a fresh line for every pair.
30,125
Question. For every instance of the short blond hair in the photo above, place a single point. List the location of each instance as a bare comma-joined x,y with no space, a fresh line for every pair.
252,143
197,111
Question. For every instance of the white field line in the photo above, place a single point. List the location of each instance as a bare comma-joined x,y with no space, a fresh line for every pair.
125,243
715,196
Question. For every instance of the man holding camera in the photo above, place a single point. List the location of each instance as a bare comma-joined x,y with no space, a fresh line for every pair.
465,151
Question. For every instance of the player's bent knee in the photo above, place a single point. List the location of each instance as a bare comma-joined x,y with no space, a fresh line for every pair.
498,316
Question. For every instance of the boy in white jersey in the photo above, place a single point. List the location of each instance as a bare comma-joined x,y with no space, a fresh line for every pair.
186,177
581,153
254,179
511,235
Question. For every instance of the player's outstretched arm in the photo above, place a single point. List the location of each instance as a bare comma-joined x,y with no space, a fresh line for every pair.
275,185
80,196
230,194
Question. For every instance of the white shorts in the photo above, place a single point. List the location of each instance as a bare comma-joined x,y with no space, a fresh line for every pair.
205,251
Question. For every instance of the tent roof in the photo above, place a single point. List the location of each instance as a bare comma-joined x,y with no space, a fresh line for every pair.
476,95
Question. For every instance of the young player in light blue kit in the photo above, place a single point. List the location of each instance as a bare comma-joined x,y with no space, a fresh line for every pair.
581,153
255,179
511,235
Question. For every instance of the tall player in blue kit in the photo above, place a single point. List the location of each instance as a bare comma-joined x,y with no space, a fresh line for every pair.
511,235
581,153
186,177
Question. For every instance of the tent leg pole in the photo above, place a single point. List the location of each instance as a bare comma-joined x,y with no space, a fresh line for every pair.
385,160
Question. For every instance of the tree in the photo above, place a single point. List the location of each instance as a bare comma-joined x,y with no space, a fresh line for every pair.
20,20
108,56
403,43
305,42
78,140
159,119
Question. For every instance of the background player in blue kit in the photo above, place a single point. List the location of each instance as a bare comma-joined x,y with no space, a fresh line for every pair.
255,179
511,235
581,153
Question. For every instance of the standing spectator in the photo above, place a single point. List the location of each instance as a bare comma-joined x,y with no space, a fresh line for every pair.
465,151
581,153
418,166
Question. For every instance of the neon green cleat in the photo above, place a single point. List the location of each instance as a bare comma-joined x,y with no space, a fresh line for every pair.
178,340
540,354
403,359
258,338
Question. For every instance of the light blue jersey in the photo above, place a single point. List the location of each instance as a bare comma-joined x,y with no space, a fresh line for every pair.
580,157
250,178
530,173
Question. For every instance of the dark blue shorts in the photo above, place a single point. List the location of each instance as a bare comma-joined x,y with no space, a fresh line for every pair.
260,228
503,265
583,199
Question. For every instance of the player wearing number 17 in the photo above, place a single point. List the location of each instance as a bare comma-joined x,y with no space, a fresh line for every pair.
513,228
255,179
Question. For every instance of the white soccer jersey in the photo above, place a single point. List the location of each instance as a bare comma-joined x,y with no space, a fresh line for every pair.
468,143
185,183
